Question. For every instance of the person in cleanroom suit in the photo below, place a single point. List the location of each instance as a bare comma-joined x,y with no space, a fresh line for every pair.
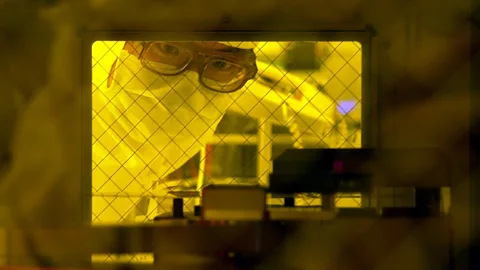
160,104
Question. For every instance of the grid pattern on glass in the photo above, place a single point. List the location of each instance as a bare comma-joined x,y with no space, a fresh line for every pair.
147,128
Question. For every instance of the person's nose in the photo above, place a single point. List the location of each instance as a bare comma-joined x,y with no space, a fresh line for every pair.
196,64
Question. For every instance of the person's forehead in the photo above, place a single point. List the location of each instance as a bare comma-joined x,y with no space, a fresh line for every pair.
213,45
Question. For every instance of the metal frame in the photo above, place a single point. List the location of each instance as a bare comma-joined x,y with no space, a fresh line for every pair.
369,80
474,215
370,98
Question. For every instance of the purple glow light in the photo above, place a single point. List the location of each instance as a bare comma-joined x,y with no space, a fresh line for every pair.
338,166
345,107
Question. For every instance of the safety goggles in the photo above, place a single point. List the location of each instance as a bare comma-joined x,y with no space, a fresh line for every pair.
223,71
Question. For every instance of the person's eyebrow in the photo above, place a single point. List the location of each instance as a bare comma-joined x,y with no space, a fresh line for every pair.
230,50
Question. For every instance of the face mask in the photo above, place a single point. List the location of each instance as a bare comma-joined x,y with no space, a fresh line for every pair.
166,119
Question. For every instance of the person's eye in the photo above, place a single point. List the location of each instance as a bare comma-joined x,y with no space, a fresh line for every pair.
168,49
221,65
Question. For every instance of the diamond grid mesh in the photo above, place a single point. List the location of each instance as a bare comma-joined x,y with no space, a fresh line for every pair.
126,152
129,135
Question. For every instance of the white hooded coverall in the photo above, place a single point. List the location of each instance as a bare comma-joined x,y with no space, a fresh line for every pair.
145,126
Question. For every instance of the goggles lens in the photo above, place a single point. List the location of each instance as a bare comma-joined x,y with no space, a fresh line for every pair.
222,75
216,73
166,58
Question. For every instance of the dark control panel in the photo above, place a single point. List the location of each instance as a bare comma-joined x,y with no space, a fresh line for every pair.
318,183
356,170
330,171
